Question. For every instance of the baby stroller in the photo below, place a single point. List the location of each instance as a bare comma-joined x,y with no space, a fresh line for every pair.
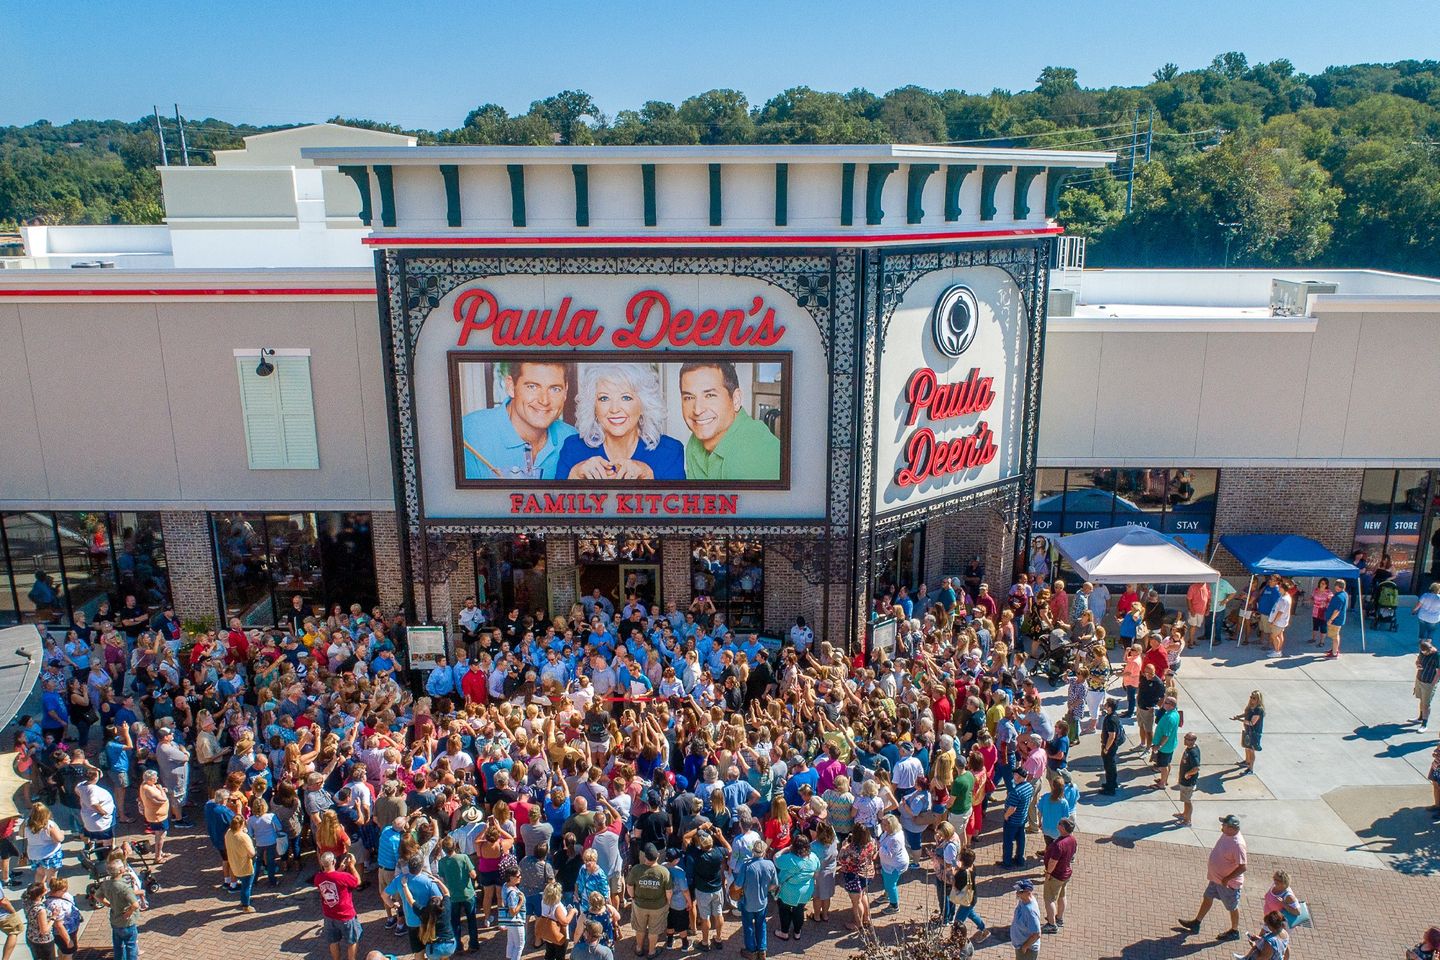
144,877
1053,654
1382,611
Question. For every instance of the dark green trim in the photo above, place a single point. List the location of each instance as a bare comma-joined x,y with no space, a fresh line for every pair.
782,194
918,174
989,180
386,180
955,175
451,173
1054,185
361,176
517,193
847,194
1024,176
647,184
716,203
875,176
582,194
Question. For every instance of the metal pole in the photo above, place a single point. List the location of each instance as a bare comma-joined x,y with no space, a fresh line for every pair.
1150,135
160,131
184,151
1134,146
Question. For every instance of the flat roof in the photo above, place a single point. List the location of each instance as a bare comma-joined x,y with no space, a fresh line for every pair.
766,153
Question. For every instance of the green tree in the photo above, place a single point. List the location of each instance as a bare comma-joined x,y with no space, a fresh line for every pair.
719,116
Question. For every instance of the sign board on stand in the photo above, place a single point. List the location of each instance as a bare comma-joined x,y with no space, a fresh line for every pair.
427,644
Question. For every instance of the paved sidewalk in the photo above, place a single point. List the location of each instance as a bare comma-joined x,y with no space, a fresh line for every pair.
1124,903
1341,778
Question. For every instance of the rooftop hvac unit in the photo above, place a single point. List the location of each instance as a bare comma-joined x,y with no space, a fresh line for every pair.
93,265
1291,298
1062,303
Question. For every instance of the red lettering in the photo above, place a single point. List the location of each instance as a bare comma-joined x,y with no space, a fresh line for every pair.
532,505
729,503
478,309
651,321
555,503
516,499
710,507
944,401
927,457
598,499
671,503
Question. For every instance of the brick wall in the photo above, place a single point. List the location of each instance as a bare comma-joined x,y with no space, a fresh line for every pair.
951,541
789,592
389,571
190,562
675,571
1320,503
560,574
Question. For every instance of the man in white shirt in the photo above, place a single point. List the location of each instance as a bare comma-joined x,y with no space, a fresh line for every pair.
97,813
907,772
1279,619
471,619
801,636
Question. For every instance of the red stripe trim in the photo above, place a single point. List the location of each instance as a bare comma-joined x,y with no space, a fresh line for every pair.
194,292
646,240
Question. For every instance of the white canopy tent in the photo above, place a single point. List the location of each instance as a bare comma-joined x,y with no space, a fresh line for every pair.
1136,555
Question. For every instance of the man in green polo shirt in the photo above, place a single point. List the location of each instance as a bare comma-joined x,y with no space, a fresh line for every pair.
726,443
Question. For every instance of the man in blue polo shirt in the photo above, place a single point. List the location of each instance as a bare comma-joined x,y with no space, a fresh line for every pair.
1335,617
521,439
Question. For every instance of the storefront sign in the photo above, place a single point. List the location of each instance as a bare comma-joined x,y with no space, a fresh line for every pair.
650,321
626,504
951,387
426,645
925,455
594,396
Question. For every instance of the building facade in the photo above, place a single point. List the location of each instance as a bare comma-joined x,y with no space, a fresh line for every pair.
879,327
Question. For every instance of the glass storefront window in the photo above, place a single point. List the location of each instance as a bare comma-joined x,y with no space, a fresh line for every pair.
731,572
1179,501
86,560
265,559
510,575
34,562
139,548
1388,529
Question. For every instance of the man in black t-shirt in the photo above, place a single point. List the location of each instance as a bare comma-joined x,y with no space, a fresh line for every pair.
1189,776
132,618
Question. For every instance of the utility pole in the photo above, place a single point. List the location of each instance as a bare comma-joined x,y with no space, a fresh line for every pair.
1230,229
184,151
1150,135
1134,147
160,130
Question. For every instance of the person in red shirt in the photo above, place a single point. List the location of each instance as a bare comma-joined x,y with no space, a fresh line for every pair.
1060,603
1059,857
989,604
472,685
337,904
1155,654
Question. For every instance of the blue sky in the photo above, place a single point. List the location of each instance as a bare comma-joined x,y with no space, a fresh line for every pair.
425,64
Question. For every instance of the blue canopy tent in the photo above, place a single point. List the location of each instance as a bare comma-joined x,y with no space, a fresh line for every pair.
1292,556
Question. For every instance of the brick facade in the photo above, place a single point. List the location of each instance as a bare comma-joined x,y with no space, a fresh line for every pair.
190,563
389,569
986,530
675,571
560,574
1320,503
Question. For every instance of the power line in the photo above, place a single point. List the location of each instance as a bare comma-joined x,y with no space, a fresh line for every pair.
1027,136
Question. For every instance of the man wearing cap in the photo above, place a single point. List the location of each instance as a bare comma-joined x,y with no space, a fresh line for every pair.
1025,925
649,884
1225,873
758,879
1167,738
173,761
1017,805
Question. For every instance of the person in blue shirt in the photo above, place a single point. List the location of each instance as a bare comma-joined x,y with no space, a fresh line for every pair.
520,440
1335,617
620,413
54,713
1017,808
441,682
800,773
422,886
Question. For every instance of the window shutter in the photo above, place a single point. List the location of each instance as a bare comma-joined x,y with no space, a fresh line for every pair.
297,413
279,415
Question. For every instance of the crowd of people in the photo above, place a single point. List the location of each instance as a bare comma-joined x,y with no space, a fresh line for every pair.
560,778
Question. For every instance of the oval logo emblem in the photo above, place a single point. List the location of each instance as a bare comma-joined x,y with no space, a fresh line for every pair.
956,318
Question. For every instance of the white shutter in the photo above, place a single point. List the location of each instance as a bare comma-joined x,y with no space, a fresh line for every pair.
279,415
297,413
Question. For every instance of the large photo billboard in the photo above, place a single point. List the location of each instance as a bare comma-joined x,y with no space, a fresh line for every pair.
690,420
584,397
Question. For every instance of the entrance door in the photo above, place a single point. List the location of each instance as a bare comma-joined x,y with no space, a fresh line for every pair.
641,579
604,577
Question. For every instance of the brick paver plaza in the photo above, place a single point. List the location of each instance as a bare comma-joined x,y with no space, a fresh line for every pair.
1369,872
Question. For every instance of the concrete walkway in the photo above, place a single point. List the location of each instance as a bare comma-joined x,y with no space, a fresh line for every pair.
1341,777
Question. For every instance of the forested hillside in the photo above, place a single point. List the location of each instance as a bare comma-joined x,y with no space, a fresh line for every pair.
1339,169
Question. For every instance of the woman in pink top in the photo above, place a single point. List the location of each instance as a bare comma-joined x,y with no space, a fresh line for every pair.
1319,602
1280,898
